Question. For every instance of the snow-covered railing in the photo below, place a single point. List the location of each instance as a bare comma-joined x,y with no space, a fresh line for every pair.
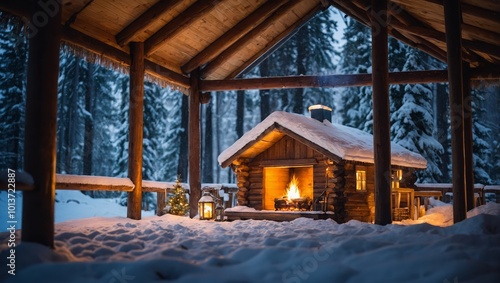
447,189
93,183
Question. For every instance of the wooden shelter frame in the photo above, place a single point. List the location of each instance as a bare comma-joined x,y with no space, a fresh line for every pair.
43,65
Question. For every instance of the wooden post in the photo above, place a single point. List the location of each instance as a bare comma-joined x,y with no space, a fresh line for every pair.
41,119
381,120
160,202
468,138
136,129
453,25
194,143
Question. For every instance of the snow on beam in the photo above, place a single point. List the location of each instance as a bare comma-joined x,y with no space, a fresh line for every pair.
93,183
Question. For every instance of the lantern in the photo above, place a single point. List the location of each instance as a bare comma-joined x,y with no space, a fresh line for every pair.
219,212
206,206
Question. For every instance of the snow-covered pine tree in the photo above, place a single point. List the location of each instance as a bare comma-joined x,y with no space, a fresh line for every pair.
481,136
412,125
178,202
397,59
70,113
13,51
120,140
356,102
171,135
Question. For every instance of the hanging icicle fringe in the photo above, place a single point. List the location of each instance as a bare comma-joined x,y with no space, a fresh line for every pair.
101,60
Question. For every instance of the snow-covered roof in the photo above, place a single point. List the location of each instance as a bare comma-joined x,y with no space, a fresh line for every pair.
344,142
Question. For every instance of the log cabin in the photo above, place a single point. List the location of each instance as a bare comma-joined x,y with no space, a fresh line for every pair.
333,165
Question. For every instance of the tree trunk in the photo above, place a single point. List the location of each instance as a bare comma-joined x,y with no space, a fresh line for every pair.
88,141
264,93
182,165
302,53
240,112
207,161
441,114
72,122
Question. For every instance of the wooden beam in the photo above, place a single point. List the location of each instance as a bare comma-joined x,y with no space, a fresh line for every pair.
232,35
147,18
331,81
242,42
100,48
188,16
381,114
194,135
288,162
468,138
434,76
18,8
40,130
431,50
275,44
454,46
431,33
136,129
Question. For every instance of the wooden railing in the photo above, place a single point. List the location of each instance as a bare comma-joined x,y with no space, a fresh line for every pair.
24,182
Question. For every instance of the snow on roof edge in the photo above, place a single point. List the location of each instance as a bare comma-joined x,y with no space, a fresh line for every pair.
345,142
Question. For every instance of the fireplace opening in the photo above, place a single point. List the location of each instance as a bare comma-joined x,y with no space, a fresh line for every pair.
287,188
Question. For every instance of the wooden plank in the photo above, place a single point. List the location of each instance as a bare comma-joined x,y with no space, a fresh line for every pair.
188,16
93,183
455,75
136,129
232,35
40,131
194,144
144,21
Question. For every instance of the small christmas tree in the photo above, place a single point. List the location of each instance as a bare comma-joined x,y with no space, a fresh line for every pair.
178,202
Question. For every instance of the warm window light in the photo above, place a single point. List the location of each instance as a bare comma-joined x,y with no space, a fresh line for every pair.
360,180
397,176
206,206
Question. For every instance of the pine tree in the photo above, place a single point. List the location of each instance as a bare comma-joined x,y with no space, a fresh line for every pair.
412,125
13,51
356,102
178,203
481,135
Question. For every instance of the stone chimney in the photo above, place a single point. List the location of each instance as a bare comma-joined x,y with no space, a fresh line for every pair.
321,112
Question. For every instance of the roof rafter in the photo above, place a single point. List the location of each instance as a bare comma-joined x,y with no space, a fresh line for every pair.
276,43
235,47
188,16
144,20
232,35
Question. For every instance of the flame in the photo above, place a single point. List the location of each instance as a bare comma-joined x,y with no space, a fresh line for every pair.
292,192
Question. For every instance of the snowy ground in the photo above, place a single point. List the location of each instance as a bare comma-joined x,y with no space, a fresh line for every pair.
179,249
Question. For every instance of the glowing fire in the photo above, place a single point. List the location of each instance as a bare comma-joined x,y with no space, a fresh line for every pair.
292,192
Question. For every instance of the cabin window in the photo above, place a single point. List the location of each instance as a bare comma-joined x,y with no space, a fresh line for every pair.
360,180
397,176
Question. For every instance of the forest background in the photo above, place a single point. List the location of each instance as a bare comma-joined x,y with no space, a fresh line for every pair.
92,121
